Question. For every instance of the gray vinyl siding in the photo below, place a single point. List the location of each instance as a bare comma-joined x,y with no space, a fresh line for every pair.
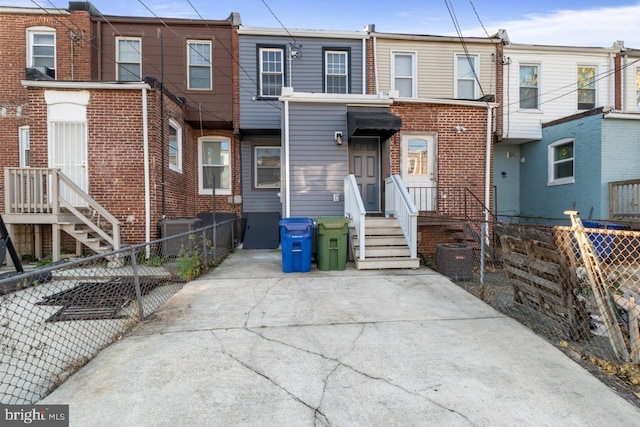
305,73
257,200
318,165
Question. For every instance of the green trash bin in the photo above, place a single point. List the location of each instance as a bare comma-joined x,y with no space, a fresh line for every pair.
332,242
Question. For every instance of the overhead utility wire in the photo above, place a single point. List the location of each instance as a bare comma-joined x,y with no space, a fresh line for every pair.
279,21
600,76
494,62
479,20
179,37
464,44
106,55
249,91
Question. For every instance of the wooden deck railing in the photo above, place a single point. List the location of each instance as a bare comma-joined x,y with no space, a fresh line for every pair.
624,199
37,192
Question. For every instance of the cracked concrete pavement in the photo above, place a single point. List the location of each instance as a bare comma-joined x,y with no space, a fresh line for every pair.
248,345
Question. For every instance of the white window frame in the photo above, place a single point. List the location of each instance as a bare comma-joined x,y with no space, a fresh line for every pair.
552,180
33,31
538,66
25,146
208,65
414,71
595,86
327,74
476,68
255,166
262,72
177,166
119,62
201,165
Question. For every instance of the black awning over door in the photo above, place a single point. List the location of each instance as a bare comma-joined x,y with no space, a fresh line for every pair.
372,121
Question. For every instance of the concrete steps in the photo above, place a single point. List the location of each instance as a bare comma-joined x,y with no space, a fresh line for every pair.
385,246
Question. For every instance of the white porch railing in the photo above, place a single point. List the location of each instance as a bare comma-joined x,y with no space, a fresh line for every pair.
354,209
36,191
400,204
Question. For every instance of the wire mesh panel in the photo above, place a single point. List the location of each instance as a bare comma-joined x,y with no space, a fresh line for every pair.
578,286
56,318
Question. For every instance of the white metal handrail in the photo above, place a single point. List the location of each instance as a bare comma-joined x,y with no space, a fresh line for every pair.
399,203
354,209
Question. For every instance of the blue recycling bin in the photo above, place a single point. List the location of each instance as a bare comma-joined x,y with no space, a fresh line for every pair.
602,242
296,235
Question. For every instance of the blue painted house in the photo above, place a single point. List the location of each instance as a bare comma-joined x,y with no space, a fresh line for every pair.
573,164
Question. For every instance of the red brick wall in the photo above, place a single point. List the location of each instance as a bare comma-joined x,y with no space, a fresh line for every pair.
72,60
461,157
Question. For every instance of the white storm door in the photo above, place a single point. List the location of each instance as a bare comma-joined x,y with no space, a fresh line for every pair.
68,145
418,169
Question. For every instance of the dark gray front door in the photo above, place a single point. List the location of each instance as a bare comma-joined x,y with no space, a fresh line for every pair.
364,161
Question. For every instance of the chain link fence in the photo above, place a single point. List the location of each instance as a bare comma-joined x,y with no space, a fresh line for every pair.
577,285
54,319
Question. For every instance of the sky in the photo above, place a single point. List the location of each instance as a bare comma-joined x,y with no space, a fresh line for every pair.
548,22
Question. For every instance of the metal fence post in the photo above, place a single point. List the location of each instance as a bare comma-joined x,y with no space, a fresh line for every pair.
136,283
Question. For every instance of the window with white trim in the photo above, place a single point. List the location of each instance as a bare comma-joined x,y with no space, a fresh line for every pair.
214,161
271,71
529,87
336,71
199,64
25,148
586,87
403,77
561,162
466,77
175,146
128,59
266,167
41,50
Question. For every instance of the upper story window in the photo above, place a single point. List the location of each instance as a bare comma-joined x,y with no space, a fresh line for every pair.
41,50
561,162
529,87
586,87
128,58
403,77
271,63
199,64
466,77
267,167
214,161
175,146
336,71
25,148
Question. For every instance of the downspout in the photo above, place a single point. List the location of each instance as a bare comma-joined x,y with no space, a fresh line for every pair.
147,192
287,191
487,191
162,140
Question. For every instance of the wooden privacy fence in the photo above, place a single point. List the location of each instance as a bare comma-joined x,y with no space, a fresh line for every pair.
541,275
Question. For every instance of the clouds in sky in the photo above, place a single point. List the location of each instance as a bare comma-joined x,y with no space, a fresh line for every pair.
599,27
592,26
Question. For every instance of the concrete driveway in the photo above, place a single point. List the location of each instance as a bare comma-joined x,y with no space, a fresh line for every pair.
248,345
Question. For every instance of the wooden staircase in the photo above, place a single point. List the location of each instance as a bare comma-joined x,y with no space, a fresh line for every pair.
385,245
85,235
